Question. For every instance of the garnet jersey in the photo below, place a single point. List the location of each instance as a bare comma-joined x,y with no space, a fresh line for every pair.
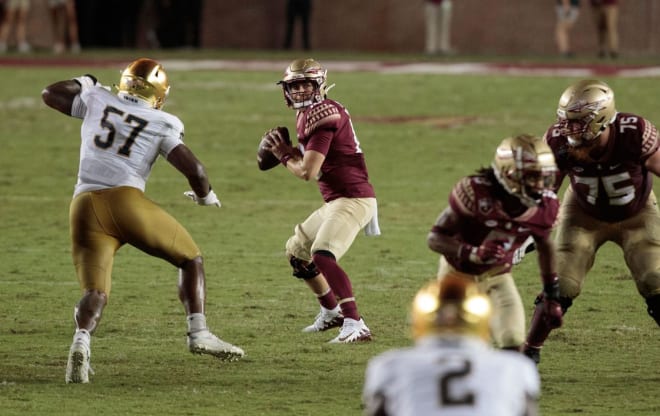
451,376
617,185
326,127
476,201
121,140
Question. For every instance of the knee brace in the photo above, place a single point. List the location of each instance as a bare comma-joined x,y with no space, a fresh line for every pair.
653,303
302,269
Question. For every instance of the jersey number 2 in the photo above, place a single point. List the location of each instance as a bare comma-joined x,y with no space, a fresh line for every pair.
445,391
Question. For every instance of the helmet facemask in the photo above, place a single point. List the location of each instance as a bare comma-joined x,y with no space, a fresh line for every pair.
299,71
525,167
146,80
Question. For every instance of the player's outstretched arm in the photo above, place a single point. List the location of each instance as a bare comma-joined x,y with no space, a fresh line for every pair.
183,159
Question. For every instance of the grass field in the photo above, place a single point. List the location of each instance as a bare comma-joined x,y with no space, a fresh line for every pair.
603,362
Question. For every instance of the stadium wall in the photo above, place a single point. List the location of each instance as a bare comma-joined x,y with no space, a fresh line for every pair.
480,27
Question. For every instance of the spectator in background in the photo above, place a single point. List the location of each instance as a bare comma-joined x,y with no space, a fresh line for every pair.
301,9
438,26
606,16
15,18
65,25
567,14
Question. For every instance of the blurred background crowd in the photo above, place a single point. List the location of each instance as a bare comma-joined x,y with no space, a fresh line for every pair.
566,29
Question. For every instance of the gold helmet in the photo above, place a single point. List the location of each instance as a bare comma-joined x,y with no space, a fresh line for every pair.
452,304
304,70
585,109
525,166
145,79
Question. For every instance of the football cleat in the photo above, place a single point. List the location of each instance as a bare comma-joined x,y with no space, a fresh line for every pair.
326,319
204,342
77,367
352,331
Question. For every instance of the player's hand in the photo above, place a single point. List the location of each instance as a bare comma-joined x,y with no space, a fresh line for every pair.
552,312
551,307
490,252
275,141
210,199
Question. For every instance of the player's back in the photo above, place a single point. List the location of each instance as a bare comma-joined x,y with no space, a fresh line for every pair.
454,377
121,141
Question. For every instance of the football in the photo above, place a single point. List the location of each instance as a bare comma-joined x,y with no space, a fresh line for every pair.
265,158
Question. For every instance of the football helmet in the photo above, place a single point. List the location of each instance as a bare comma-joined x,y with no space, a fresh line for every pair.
525,166
451,304
304,70
146,80
585,109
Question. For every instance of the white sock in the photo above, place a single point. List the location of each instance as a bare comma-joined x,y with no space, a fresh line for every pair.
196,322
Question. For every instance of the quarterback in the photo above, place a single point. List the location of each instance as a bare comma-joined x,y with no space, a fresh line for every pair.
329,153
122,135
610,159
490,216
452,370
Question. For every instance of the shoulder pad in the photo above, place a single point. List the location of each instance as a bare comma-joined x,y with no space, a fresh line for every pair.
321,115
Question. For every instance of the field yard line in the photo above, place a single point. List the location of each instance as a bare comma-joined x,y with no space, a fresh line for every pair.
445,68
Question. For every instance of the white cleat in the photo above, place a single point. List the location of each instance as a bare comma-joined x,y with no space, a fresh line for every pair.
352,331
204,342
326,319
77,367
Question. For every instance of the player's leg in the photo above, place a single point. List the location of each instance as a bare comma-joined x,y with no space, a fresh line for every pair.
151,229
577,239
298,251
93,251
508,321
342,220
641,248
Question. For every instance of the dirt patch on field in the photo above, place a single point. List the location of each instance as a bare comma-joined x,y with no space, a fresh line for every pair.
438,122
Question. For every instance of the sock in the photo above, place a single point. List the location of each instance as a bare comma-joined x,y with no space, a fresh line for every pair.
538,328
328,299
339,282
196,322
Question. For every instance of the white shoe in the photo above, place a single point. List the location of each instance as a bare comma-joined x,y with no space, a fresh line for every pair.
326,319
77,367
352,331
204,342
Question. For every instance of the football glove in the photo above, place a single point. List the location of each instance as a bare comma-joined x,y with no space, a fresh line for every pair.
551,307
210,199
488,253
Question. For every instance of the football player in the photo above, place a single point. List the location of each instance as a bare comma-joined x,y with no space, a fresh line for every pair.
490,216
329,153
122,135
452,368
610,159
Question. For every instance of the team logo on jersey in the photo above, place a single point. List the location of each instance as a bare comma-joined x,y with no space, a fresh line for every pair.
485,205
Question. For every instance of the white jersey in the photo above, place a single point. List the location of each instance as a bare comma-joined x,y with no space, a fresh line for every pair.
452,376
121,139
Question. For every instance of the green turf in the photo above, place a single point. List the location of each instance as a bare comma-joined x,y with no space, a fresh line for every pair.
603,362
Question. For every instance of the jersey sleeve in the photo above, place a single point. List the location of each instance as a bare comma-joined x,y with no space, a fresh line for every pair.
650,142
172,134
462,198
